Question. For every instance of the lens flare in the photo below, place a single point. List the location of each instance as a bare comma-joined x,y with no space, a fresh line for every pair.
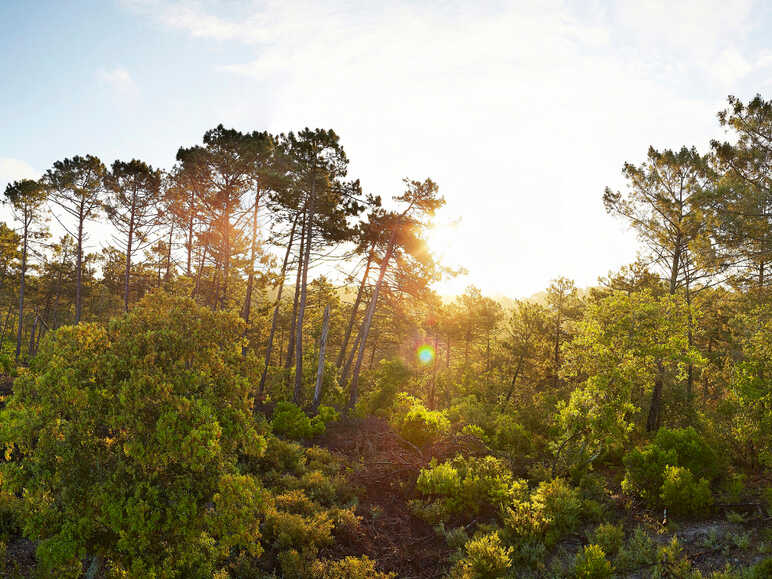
426,354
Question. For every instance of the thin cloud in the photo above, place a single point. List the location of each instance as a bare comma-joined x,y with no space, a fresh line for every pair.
119,79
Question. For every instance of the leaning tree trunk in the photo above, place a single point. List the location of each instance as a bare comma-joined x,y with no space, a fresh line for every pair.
298,393
21,290
320,368
79,266
129,241
245,311
355,308
296,299
368,321
274,321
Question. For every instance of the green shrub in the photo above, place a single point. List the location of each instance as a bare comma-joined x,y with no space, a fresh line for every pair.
422,426
591,563
468,485
123,434
681,494
645,468
551,511
475,431
640,551
511,437
348,568
671,562
609,537
485,558
762,570
289,420
560,505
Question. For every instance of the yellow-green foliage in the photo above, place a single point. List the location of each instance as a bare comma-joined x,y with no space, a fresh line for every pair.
485,558
551,511
646,469
289,420
123,434
348,568
467,485
418,424
682,494
609,537
591,563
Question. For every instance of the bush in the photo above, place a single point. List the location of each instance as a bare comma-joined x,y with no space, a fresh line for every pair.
640,551
609,537
289,420
348,568
123,434
550,512
645,469
681,494
422,426
468,485
485,558
591,563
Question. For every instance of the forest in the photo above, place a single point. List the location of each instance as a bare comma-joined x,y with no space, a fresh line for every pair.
256,377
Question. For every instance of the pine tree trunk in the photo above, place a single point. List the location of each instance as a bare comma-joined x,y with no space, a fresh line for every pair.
274,321
368,320
21,288
79,266
320,368
296,299
298,393
129,241
355,308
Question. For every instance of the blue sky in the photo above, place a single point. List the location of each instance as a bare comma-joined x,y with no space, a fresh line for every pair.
521,111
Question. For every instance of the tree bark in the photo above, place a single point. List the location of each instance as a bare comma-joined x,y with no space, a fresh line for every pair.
298,393
369,318
296,299
79,265
127,273
355,308
320,368
274,321
251,278
21,286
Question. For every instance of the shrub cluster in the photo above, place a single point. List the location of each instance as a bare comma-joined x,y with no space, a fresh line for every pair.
674,471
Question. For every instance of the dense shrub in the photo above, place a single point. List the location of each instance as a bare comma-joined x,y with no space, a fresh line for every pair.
466,485
591,563
608,537
485,558
418,424
683,495
289,420
646,468
551,511
123,434
348,568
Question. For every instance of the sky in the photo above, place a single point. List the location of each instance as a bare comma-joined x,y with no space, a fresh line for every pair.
522,112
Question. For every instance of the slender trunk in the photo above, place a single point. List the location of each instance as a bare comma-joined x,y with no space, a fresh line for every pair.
372,352
127,273
369,319
514,378
32,334
226,258
556,353
355,308
5,323
79,266
655,409
655,406
277,307
351,356
197,286
189,244
447,354
320,368
298,393
253,255
298,277
169,253
21,288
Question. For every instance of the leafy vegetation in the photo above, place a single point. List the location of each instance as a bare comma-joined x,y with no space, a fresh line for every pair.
199,401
